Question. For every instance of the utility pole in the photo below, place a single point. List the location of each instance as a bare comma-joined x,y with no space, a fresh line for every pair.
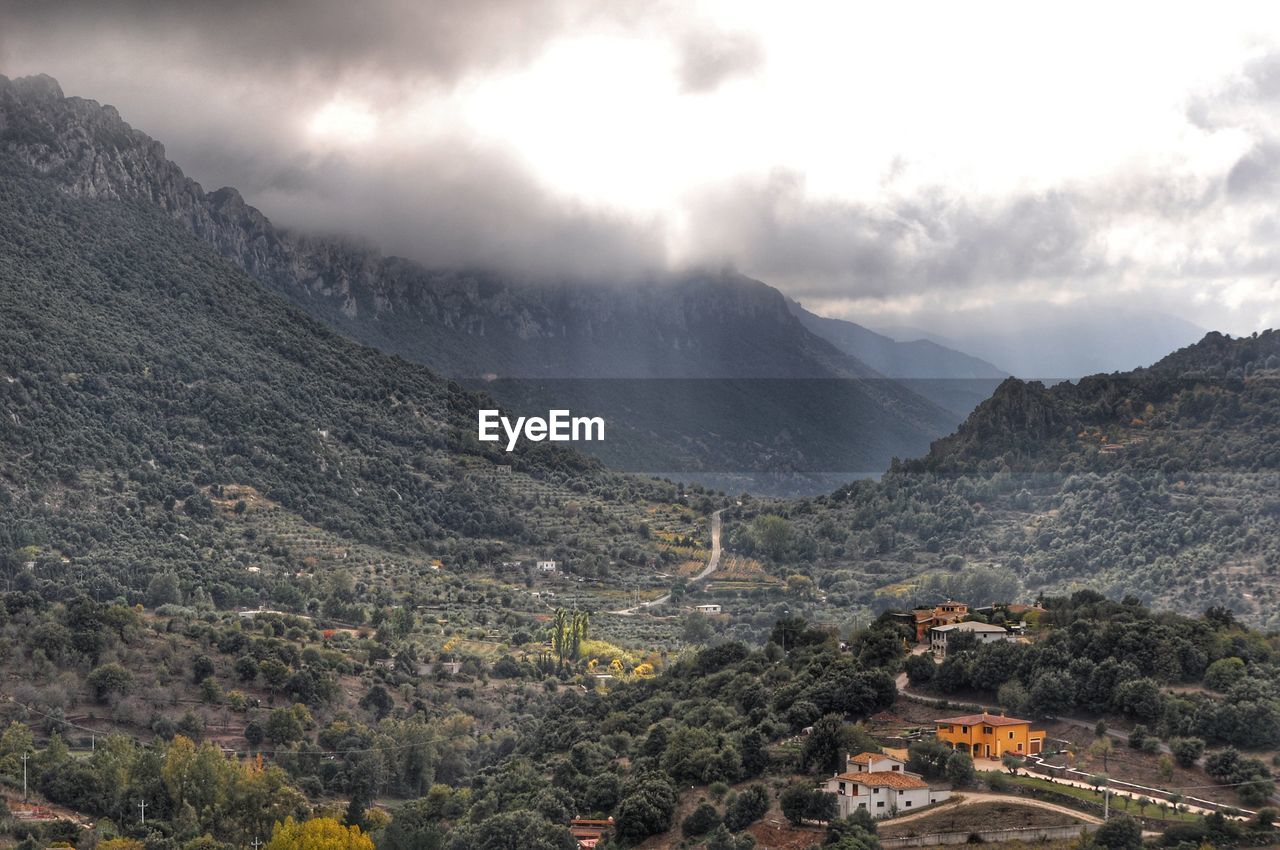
25,756
142,805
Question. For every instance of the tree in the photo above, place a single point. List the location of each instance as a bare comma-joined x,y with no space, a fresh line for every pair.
1102,748
1187,751
109,679
700,821
697,629
1223,673
283,726
960,771
648,804
824,747
747,807
163,589
415,826
1011,763
1120,832
920,669
202,668
317,834
772,534
801,802
722,839
378,701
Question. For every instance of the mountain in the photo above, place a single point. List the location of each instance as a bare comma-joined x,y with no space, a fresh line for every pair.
1209,406
1068,343
161,411
951,379
1157,483
475,326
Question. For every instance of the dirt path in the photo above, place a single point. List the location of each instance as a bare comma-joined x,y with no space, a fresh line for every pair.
970,798
712,563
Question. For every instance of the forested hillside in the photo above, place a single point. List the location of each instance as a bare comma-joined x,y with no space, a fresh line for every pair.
1160,483
149,389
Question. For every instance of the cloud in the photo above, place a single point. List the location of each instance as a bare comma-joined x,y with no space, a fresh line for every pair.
850,169
709,59
404,40
928,241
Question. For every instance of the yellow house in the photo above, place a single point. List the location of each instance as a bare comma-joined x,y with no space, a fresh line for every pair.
990,736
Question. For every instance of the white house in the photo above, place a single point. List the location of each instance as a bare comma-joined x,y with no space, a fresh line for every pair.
546,566
984,632
707,609
882,785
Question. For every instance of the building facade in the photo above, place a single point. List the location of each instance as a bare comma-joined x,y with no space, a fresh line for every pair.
990,736
881,785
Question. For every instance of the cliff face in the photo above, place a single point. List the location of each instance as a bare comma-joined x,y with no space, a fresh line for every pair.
463,323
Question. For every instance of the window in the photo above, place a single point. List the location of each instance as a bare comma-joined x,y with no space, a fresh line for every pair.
862,805
1010,736
987,730
908,804
880,805
896,767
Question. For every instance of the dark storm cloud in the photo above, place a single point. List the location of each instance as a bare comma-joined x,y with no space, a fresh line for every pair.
402,39
226,86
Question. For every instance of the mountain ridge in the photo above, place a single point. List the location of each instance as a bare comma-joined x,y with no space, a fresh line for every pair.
476,325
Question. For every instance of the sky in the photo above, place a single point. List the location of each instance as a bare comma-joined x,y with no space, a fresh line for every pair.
922,165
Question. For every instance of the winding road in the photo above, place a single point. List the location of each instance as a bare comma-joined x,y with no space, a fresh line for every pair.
712,563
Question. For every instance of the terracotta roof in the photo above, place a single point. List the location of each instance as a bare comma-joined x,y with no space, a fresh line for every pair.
983,719
891,779
863,758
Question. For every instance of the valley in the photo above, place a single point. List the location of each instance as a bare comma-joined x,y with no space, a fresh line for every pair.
258,565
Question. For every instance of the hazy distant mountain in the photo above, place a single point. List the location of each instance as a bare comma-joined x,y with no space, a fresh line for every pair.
1068,344
950,378
477,325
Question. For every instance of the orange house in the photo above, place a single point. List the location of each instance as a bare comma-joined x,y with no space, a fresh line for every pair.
940,615
990,736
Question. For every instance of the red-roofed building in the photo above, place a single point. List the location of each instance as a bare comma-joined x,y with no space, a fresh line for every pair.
990,735
940,615
882,785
